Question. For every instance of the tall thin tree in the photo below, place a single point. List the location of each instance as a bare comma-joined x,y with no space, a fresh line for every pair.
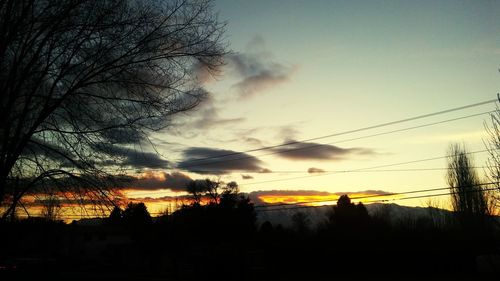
467,194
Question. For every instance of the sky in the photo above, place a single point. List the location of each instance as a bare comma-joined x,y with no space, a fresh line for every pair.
299,70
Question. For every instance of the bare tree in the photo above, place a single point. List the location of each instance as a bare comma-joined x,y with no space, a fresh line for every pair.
493,146
196,189
212,190
82,81
467,193
51,208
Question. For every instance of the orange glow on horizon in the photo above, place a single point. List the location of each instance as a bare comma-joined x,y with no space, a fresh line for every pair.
319,200
300,199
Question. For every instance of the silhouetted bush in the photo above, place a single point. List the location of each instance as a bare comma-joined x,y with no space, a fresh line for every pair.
136,214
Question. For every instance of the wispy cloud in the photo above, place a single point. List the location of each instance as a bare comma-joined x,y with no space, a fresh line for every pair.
208,116
257,70
204,118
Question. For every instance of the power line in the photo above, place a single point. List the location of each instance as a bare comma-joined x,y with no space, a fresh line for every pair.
383,200
362,169
342,133
318,145
352,171
367,196
298,205
339,171
367,169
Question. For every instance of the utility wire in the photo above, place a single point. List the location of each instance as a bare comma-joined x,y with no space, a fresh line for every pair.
367,169
338,171
319,145
382,200
299,205
341,133
367,196
362,169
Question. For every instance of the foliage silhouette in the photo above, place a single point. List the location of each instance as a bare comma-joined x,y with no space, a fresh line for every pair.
136,214
348,215
115,217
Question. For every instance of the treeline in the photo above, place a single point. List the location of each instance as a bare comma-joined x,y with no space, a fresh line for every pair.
221,240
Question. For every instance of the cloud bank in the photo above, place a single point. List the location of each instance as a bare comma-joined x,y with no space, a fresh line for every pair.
316,151
217,163
154,180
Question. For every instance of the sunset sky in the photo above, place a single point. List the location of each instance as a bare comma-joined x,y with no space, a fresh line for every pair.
304,69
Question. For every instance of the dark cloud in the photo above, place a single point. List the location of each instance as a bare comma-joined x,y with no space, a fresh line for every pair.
258,73
123,135
313,170
316,151
139,159
246,177
175,181
265,171
218,165
132,157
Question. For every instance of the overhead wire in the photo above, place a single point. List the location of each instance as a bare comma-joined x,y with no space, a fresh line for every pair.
339,134
368,196
300,205
319,145
366,168
331,172
292,207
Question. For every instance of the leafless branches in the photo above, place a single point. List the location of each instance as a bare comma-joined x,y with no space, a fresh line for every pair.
493,146
82,81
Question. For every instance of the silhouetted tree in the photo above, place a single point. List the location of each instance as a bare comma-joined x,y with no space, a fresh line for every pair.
212,190
115,217
230,194
347,214
51,208
493,147
467,195
196,189
233,217
82,81
136,214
